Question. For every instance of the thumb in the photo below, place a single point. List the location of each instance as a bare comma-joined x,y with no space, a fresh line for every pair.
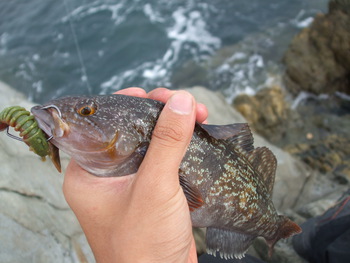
170,138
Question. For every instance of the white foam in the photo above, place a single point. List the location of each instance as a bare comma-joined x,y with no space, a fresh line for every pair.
303,95
187,32
36,57
152,15
96,7
188,27
237,56
156,72
100,53
300,21
38,86
305,22
191,28
116,82
4,37
342,95
242,72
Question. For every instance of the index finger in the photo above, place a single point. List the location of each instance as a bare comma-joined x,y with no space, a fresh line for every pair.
163,95
132,91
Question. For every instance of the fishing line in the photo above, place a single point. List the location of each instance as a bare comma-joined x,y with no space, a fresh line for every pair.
82,64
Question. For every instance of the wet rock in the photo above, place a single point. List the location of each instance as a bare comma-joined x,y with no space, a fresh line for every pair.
191,74
329,155
283,252
267,111
315,130
319,136
318,58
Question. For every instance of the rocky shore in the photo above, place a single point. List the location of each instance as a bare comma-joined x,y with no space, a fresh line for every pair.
308,113
38,226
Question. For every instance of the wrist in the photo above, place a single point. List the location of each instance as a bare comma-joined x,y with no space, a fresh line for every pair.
130,251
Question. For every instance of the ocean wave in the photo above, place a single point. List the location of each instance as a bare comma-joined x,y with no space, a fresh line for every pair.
242,73
4,37
187,32
145,43
118,11
153,15
193,28
302,20
304,95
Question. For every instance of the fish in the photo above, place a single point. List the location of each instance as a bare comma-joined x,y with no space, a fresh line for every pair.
228,182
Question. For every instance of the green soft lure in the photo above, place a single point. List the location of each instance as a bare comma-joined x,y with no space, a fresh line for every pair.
22,121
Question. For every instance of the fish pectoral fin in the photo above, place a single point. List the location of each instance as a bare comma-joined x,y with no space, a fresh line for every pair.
193,196
229,244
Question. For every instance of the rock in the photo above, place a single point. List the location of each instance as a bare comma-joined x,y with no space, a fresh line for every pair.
319,136
329,155
318,60
189,75
316,131
283,252
36,224
267,111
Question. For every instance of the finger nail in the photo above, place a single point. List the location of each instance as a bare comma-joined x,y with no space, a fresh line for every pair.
181,103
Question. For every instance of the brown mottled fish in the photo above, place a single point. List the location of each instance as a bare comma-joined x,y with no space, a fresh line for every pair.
227,182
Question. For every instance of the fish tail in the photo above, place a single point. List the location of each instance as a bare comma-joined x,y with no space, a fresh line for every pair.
287,228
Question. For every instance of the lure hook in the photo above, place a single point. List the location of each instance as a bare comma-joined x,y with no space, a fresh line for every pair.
12,136
55,107
19,138
58,111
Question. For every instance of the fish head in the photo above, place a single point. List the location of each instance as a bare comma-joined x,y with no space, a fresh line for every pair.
91,129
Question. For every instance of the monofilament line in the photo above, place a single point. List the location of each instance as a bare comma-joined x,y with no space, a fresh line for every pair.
83,68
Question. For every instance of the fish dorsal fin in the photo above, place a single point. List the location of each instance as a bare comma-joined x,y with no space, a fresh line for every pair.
265,163
238,135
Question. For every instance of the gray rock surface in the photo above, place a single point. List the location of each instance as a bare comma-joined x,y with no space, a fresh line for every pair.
36,224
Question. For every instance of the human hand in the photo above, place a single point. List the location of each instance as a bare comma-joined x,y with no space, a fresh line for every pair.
142,217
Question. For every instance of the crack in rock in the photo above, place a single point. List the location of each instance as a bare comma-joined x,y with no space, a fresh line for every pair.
33,196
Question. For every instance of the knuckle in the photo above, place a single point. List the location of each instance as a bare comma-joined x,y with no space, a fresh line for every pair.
169,134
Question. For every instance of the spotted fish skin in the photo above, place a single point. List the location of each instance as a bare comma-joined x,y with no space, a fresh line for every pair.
227,182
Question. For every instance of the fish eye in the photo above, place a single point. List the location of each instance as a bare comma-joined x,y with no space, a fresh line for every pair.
86,110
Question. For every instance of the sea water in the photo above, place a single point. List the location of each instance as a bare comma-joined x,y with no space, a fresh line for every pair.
53,48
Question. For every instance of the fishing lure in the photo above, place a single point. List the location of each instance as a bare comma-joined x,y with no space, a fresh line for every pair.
22,121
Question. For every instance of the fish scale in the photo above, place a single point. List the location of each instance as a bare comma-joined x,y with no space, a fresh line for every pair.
227,182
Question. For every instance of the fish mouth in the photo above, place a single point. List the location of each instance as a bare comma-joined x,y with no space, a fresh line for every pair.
46,121
50,120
